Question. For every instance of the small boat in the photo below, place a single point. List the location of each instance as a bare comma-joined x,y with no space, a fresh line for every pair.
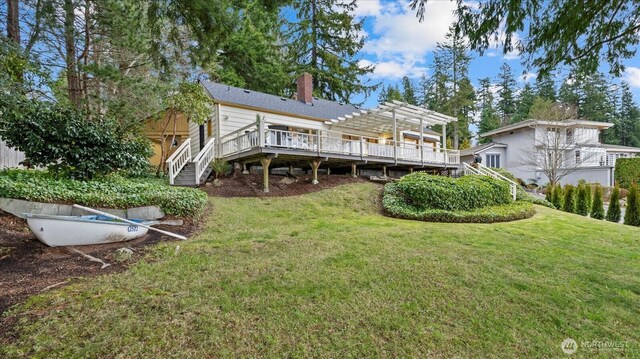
56,231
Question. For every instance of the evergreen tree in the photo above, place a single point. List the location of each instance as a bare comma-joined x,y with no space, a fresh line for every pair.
549,194
613,212
489,119
524,103
597,205
582,203
556,198
409,91
632,213
506,94
568,203
324,41
546,88
627,128
389,94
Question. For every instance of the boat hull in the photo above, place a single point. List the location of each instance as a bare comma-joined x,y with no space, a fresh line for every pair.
57,231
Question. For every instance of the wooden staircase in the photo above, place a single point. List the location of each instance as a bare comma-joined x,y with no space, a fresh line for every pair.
188,172
187,177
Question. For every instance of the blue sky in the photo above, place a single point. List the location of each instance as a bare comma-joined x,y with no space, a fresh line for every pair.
399,45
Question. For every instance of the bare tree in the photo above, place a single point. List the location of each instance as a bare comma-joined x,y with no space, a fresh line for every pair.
556,151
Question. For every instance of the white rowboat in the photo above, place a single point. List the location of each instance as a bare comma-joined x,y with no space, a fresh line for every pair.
56,231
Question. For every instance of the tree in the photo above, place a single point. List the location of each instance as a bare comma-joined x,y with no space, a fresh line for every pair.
568,202
546,87
597,206
582,202
632,213
489,119
523,104
506,94
627,128
553,34
390,93
409,91
556,198
324,41
613,212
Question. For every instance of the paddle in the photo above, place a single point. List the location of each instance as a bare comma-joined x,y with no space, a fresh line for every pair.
91,210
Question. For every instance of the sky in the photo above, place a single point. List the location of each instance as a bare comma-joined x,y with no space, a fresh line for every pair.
398,45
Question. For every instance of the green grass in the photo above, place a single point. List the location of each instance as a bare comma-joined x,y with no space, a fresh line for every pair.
326,275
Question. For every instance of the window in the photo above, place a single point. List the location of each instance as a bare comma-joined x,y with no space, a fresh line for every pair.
578,156
493,160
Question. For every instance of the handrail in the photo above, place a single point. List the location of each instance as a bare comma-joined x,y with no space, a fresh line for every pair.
179,159
204,158
489,172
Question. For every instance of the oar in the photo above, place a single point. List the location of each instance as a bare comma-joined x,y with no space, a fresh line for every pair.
91,210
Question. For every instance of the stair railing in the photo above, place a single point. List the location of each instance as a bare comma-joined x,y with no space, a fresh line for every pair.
179,159
483,170
204,158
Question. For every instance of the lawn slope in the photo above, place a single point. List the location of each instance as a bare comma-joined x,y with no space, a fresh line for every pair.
326,275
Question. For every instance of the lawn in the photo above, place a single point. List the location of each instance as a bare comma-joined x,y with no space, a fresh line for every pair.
325,274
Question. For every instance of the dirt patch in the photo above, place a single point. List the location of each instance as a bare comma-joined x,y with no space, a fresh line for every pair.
251,185
28,267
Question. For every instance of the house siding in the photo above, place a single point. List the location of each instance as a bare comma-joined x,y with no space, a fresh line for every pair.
9,157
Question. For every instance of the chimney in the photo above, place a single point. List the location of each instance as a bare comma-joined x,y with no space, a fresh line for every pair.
305,88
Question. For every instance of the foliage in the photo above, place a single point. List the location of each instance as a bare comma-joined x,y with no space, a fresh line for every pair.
191,101
627,123
390,93
506,94
221,167
395,205
423,191
524,196
597,205
632,212
557,197
568,202
549,193
325,39
554,34
524,101
62,140
489,119
627,171
613,212
113,191
582,200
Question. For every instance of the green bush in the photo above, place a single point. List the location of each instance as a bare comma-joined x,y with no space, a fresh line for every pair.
64,141
424,191
597,205
627,171
613,212
582,200
568,203
556,198
221,167
395,206
632,212
549,193
112,191
522,195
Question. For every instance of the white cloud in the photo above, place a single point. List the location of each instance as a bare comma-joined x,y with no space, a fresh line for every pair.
528,76
394,69
632,76
368,8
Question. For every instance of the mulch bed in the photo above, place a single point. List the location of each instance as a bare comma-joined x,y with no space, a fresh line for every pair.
250,185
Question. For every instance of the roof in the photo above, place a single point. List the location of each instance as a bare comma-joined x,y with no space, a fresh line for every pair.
619,148
474,150
426,132
320,108
532,123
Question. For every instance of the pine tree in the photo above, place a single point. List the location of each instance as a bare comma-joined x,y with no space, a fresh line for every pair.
627,128
556,199
597,205
613,212
524,103
548,196
506,94
389,94
568,204
632,212
489,119
546,88
582,203
325,39
409,91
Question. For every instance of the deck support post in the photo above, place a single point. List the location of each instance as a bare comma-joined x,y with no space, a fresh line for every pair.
354,174
328,171
410,169
314,167
245,171
384,171
265,162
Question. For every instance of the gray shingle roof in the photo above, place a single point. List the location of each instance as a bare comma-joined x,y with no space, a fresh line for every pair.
321,109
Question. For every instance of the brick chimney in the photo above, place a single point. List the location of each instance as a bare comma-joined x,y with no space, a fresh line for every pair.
305,88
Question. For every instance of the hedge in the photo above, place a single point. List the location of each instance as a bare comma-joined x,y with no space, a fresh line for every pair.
113,191
395,205
425,191
627,171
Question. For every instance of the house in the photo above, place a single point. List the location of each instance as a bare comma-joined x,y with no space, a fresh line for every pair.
572,146
265,131
9,157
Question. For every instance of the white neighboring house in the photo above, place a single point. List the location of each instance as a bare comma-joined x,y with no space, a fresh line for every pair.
519,147
9,157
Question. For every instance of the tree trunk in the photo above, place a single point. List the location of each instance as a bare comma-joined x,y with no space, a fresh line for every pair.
13,21
73,80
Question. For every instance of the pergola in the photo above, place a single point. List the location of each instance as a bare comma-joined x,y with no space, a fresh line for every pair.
393,117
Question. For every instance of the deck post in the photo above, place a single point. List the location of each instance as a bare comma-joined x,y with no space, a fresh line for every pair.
410,169
245,171
384,171
353,170
395,141
318,141
261,134
265,162
443,142
361,148
314,167
421,140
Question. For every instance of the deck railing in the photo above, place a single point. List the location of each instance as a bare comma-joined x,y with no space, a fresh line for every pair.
204,158
322,141
179,159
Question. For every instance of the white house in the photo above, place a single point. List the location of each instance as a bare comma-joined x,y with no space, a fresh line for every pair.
527,147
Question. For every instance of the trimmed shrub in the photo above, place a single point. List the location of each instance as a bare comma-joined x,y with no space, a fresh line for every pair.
221,167
632,212
582,200
395,206
549,193
112,191
597,205
627,171
568,202
424,191
613,212
556,198
522,195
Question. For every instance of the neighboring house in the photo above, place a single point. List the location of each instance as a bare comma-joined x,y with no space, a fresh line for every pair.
259,129
9,157
521,148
